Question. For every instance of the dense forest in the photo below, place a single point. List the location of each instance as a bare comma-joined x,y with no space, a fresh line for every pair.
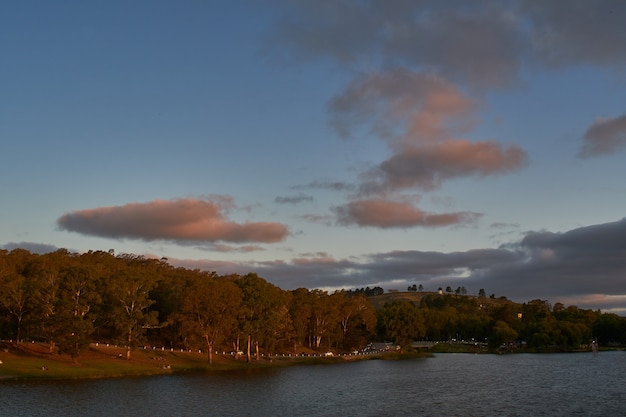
69,300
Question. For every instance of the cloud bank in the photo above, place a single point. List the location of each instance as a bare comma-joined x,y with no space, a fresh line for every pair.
583,266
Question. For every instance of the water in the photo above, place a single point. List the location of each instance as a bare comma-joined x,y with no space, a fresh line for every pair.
447,385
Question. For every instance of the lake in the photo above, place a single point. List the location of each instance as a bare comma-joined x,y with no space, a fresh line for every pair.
575,384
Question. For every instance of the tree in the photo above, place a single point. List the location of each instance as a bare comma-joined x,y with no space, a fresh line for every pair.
361,325
300,311
482,293
17,292
209,310
323,312
356,318
73,322
501,333
261,312
129,290
15,297
401,322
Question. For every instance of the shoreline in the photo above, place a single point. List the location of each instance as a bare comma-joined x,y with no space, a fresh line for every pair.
32,361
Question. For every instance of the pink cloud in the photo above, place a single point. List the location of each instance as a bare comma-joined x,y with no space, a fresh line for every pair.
394,214
427,166
604,136
182,220
403,107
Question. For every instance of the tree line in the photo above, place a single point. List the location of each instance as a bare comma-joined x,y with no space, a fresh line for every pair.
535,325
70,300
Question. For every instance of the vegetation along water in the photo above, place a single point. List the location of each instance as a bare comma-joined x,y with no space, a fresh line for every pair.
72,302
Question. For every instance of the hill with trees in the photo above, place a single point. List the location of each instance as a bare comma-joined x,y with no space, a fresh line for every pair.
70,300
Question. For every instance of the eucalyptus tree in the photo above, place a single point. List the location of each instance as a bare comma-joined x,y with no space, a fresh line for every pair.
129,292
209,310
361,325
17,290
47,272
261,312
356,318
75,309
300,312
324,316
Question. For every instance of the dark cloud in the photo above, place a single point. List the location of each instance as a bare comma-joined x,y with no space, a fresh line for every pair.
293,199
584,261
579,32
604,136
478,42
215,247
39,248
584,266
396,214
328,185
185,221
483,44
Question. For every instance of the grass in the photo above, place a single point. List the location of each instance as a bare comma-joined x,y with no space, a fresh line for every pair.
33,361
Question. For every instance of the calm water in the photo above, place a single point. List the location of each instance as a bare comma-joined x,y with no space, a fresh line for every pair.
446,385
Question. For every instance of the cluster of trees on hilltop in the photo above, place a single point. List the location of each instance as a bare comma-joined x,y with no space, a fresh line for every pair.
70,300
536,323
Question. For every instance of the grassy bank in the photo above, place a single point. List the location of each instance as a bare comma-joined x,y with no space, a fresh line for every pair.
33,361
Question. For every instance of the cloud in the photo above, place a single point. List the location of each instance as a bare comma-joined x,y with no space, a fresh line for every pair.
33,247
184,221
328,185
419,115
394,214
215,247
477,42
427,167
425,106
604,136
482,44
574,264
584,266
579,32
293,199
413,105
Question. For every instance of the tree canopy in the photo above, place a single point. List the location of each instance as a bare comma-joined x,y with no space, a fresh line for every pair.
70,300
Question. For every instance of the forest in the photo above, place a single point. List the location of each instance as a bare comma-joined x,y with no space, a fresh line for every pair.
70,300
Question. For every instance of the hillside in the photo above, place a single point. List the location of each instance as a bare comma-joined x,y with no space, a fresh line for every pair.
379,301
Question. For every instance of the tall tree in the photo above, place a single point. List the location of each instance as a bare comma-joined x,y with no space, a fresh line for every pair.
77,297
262,304
209,310
300,311
129,290
17,291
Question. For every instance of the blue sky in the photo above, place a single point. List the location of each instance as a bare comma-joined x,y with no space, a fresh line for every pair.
325,144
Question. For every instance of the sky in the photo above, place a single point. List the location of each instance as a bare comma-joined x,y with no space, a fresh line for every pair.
325,144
